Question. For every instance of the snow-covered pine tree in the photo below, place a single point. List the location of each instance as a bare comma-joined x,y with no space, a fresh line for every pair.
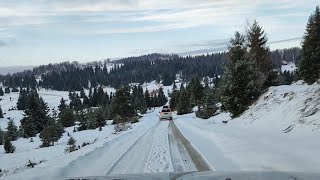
71,145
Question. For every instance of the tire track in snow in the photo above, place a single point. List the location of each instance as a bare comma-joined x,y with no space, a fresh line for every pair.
185,157
136,157
159,158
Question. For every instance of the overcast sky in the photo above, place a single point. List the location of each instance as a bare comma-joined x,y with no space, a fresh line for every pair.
34,32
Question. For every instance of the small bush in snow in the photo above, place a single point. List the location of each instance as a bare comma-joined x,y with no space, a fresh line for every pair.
8,146
206,112
135,119
71,145
122,127
88,143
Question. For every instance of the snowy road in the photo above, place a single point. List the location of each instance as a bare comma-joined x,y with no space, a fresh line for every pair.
151,146
161,149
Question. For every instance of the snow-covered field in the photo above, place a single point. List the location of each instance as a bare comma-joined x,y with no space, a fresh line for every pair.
289,67
94,159
280,132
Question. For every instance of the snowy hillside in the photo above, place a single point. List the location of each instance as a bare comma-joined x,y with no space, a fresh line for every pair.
280,132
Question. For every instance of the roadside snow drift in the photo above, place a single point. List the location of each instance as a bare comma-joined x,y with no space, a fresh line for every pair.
281,131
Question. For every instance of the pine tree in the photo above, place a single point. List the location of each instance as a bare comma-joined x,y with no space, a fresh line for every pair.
196,90
86,102
100,96
241,82
121,105
1,114
1,91
51,133
237,48
94,98
77,102
71,145
161,97
67,118
62,106
241,86
22,100
35,115
174,99
12,130
183,106
8,146
82,93
106,99
81,116
1,136
147,98
90,118
90,93
258,53
208,108
309,66
7,90
100,117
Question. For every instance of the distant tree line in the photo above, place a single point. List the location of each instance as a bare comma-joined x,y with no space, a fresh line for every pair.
75,76
83,111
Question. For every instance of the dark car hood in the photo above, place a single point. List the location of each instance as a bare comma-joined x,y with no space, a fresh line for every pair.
212,175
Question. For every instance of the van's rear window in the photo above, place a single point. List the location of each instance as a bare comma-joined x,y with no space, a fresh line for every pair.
165,110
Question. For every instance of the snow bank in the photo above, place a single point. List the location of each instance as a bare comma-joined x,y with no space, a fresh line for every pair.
280,131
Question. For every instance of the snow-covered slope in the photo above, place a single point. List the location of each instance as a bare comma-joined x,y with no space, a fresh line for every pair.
280,132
